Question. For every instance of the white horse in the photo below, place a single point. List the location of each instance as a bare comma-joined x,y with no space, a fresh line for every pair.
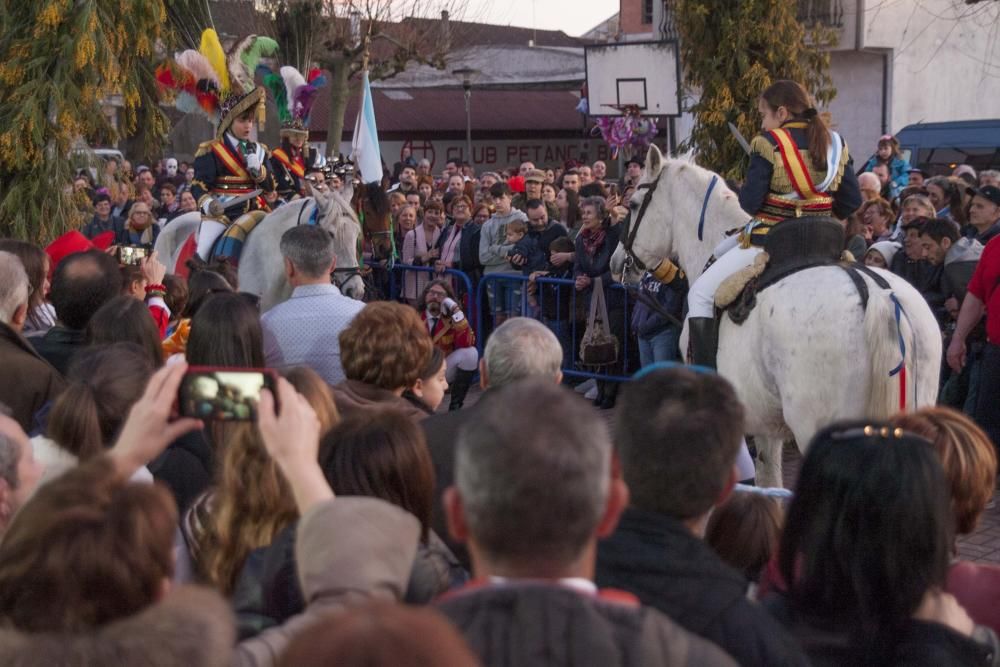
261,268
807,355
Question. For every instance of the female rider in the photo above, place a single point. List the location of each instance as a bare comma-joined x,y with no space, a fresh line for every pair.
798,166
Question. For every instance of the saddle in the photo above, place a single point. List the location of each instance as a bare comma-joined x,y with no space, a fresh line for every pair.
790,247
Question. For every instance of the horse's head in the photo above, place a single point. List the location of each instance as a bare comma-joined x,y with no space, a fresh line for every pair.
372,204
678,210
336,216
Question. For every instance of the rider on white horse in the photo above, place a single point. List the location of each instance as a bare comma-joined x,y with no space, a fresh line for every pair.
798,166
228,167
294,159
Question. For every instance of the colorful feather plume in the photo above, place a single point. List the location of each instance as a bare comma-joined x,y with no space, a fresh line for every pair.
197,65
243,58
316,78
211,48
302,102
293,79
276,85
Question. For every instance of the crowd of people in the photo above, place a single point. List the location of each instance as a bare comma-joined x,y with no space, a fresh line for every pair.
935,231
360,509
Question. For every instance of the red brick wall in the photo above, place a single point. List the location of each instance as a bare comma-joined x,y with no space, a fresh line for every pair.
630,17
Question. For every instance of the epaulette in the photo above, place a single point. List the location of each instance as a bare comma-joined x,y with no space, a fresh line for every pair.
204,148
765,146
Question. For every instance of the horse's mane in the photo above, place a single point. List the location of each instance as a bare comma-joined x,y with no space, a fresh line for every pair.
339,208
377,199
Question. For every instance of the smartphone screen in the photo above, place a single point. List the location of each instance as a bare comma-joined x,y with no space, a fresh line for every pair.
131,254
223,394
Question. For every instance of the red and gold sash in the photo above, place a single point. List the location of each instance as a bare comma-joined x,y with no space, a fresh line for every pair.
797,171
228,158
292,165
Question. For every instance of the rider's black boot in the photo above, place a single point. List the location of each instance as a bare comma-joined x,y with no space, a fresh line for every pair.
703,333
459,388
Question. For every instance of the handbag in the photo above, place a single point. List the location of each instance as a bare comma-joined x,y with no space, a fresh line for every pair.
598,346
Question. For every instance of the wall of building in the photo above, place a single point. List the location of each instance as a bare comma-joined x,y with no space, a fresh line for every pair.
945,58
857,109
630,17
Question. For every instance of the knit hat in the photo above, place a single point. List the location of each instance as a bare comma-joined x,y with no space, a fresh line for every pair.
73,242
887,249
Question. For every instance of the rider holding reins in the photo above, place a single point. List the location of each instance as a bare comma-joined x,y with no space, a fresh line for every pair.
798,167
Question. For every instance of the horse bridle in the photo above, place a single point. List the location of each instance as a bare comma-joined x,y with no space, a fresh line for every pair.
631,229
632,226
313,220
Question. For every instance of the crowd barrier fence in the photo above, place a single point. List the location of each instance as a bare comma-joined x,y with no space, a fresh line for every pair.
554,301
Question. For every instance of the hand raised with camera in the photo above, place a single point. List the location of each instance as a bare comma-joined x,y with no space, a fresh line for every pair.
153,270
291,437
148,430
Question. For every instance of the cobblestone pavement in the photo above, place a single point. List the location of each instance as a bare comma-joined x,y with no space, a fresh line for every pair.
982,546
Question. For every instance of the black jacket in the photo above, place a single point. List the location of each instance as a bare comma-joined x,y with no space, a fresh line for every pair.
924,276
441,431
468,248
532,624
186,468
657,558
921,644
600,266
58,346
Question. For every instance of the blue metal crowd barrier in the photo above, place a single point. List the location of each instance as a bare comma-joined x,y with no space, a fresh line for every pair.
506,295
483,307
466,292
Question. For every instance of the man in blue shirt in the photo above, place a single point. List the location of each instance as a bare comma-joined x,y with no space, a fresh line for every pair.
305,329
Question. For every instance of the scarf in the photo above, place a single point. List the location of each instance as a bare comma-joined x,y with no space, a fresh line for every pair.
593,239
448,253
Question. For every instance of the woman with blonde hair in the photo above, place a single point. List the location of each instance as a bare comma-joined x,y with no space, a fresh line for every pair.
251,503
140,227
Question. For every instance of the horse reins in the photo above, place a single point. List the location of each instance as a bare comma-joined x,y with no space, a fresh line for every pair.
632,228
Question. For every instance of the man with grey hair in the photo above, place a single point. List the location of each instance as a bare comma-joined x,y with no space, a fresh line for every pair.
519,348
534,491
19,471
29,382
305,329
989,177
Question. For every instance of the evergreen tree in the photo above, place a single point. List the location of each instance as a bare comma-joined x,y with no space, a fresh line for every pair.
61,61
731,51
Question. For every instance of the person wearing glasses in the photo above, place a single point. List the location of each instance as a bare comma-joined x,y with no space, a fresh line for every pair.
138,228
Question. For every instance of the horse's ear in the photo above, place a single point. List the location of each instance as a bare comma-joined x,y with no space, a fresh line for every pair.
654,162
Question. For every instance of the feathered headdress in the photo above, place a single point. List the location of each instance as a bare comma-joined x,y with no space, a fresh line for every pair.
294,95
218,84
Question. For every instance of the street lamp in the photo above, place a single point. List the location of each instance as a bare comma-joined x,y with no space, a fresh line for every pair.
467,75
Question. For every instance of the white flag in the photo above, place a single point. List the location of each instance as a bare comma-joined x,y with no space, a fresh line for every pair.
365,150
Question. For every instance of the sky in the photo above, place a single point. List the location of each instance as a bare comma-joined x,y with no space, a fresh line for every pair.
574,17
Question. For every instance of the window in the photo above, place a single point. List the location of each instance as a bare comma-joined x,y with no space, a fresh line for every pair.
647,11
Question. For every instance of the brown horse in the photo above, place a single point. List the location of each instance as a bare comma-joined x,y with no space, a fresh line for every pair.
372,206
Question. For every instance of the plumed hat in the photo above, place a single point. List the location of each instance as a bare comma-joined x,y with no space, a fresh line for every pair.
294,95
218,84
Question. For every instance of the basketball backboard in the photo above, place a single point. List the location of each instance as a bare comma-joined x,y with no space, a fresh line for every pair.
646,74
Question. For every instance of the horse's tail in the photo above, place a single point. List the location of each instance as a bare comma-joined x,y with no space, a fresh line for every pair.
891,354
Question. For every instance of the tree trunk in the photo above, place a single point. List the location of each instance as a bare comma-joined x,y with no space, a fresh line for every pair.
340,91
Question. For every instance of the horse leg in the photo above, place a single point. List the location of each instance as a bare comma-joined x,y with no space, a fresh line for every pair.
769,451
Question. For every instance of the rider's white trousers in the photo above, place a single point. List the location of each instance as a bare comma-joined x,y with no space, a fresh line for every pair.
701,297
